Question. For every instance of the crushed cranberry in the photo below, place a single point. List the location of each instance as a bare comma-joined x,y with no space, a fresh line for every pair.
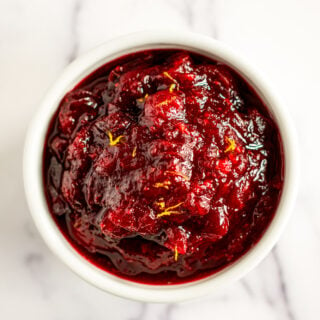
163,167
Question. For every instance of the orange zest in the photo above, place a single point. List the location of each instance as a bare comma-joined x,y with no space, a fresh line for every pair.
141,100
174,84
168,211
164,184
172,87
134,152
231,145
166,74
112,141
166,102
160,203
176,173
176,253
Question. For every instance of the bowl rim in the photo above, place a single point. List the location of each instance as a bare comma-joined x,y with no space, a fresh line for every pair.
35,139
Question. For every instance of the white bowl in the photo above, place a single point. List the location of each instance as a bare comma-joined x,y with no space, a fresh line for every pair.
32,166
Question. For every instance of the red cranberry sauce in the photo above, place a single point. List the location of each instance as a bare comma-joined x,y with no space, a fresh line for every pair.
163,167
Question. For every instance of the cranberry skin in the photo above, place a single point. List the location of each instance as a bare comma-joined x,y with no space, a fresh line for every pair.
163,167
162,108
199,199
78,107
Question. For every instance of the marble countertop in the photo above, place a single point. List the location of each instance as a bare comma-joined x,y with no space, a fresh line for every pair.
39,38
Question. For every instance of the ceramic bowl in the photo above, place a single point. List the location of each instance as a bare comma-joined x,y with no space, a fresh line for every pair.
33,156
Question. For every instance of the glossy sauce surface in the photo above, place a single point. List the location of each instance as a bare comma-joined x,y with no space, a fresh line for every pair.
163,167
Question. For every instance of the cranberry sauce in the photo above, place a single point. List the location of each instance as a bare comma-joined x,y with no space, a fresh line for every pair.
163,167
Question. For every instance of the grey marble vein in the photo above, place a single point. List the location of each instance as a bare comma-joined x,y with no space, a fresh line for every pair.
167,314
74,30
212,9
283,286
189,12
142,313
34,262
30,230
247,287
206,12
33,258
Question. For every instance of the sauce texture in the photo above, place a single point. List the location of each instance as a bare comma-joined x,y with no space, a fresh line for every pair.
163,167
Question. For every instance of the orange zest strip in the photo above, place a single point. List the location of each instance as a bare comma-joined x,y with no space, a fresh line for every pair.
173,85
143,98
168,211
134,152
164,184
161,204
176,253
166,102
114,142
232,145
176,173
166,74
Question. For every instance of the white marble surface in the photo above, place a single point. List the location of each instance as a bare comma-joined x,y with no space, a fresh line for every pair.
39,38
